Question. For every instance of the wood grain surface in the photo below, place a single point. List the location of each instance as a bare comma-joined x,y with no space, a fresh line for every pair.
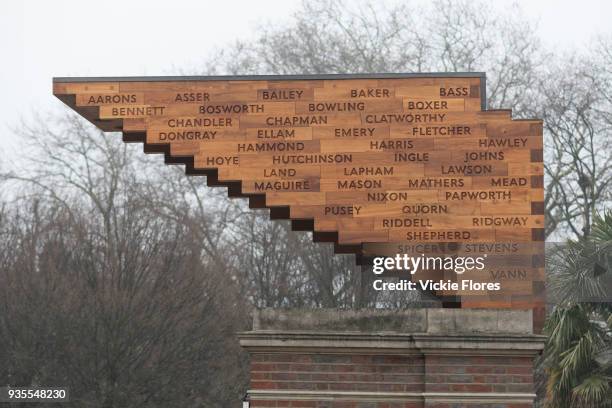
371,164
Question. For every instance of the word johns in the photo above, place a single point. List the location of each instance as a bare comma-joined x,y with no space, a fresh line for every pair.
413,264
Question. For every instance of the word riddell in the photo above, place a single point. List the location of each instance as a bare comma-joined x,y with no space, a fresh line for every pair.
370,163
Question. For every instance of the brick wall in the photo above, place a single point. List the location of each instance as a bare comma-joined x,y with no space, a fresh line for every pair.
493,374
378,369
337,372
389,374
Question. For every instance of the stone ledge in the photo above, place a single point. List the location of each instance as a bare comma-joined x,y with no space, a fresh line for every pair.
357,396
391,343
431,321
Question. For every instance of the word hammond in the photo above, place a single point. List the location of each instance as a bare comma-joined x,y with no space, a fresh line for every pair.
413,264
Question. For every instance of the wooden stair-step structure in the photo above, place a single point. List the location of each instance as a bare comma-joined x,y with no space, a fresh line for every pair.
375,164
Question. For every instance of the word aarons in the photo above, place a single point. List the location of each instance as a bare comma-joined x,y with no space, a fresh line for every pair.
412,264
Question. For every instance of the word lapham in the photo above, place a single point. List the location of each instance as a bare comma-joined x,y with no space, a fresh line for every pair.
373,164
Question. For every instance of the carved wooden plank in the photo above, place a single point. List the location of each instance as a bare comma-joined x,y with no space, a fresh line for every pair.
379,165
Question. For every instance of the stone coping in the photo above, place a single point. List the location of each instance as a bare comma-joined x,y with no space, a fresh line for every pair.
440,397
266,341
418,320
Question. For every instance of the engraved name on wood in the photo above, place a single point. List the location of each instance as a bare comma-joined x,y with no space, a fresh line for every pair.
372,164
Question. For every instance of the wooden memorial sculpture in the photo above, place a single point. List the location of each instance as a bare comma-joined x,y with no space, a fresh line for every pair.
377,164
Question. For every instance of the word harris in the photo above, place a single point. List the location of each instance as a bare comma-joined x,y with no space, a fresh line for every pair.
376,164
386,159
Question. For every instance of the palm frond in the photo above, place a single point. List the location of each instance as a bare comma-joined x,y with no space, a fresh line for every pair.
575,359
581,270
593,391
601,230
578,349
565,326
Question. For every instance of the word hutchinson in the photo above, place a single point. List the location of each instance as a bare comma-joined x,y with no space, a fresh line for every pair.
376,165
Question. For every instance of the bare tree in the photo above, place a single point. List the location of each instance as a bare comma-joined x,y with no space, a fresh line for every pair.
102,294
575,105
114,269
444,36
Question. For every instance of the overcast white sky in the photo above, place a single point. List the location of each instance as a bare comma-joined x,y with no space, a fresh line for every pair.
42,39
